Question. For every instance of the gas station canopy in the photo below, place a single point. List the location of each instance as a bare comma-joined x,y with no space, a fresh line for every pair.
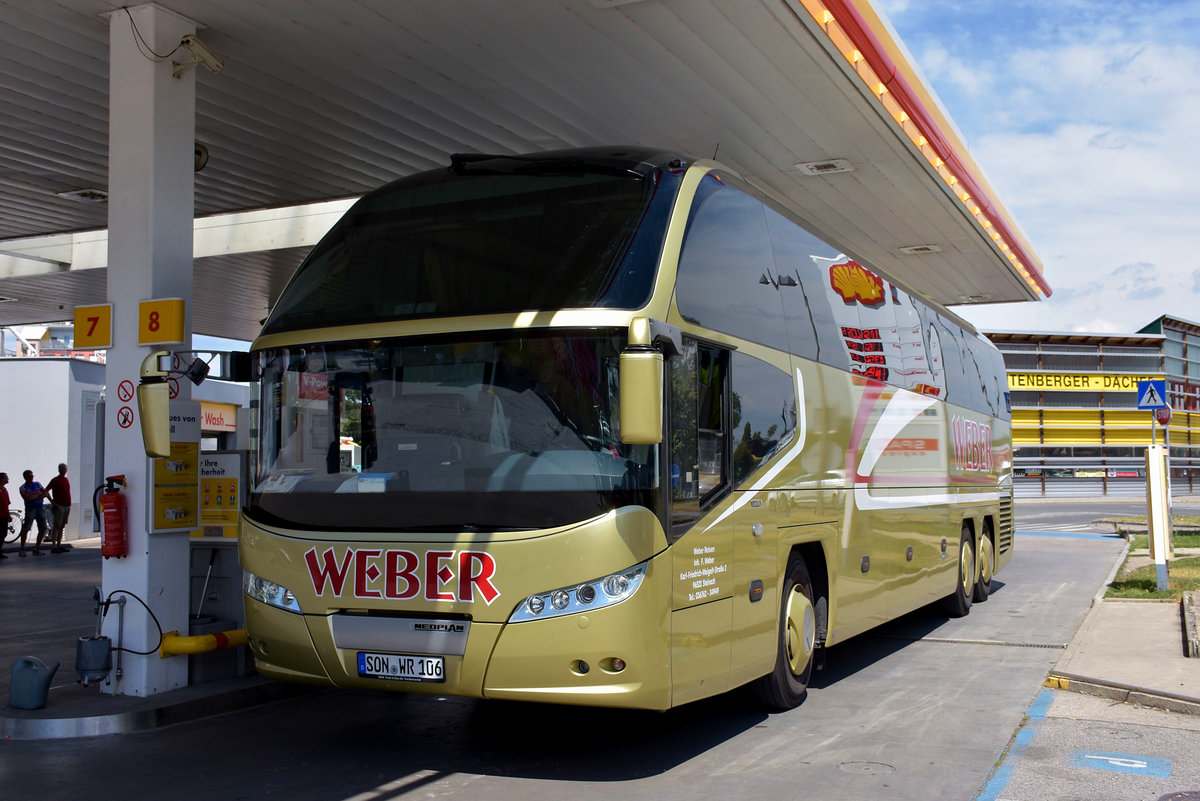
315,103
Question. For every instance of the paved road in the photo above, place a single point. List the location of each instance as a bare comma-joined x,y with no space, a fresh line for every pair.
1081,515
920,709
1074,746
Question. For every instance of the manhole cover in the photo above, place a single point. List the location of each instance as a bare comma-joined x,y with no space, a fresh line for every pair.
867,768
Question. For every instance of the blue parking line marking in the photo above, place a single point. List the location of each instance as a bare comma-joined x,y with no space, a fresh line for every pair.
1003,774
1071,534
1041,705
1121,763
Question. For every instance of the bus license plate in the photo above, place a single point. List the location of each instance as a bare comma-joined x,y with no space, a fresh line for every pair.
401,667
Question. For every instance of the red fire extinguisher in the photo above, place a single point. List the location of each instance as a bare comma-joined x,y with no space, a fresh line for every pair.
114,540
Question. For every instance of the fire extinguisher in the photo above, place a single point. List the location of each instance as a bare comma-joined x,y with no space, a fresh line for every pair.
114,540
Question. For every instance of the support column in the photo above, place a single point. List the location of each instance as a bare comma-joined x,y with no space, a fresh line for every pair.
150,211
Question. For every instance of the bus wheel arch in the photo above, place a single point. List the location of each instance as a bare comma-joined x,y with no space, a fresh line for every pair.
803,618
985,556
958,603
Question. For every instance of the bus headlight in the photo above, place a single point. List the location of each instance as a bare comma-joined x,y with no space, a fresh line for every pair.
269,592
594,594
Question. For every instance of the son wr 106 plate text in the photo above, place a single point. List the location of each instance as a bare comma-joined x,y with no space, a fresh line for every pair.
401,667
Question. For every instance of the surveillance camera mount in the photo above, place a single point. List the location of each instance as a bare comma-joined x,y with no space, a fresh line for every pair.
200,55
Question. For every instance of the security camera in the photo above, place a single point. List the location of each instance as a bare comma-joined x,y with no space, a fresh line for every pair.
200,55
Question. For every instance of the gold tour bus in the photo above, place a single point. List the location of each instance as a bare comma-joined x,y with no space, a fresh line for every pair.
606,426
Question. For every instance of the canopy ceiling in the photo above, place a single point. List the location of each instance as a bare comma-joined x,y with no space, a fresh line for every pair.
328,99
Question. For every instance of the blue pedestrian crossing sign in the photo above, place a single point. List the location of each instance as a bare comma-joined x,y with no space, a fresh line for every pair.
1152,394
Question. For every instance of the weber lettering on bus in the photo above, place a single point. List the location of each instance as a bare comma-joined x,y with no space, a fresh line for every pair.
403,574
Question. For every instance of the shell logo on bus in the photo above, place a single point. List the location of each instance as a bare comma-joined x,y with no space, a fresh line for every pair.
854,282
398,574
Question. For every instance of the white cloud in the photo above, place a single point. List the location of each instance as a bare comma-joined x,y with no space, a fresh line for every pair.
1085,130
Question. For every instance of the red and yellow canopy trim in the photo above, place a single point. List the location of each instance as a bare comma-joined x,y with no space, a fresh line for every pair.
862,38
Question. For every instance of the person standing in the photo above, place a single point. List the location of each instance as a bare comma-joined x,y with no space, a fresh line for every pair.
3,509
35,498
59,492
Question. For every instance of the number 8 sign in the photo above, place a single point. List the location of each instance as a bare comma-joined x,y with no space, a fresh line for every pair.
160,322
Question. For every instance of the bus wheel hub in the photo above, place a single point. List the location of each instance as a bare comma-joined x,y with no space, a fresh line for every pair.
801,630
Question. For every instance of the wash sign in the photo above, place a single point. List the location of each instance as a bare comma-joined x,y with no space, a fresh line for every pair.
1152,394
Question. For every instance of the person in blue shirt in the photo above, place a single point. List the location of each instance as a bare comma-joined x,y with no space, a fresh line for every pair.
35,498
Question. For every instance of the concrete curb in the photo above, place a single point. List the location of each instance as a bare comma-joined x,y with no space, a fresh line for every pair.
146,717
1112,576
1190,635
1142,528
1125,693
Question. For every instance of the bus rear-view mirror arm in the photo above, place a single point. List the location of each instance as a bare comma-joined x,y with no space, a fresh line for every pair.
154,392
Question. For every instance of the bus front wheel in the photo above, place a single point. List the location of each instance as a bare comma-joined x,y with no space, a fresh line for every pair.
786,685
958,603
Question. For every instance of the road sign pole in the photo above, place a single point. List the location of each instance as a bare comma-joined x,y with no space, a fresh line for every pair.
1152,395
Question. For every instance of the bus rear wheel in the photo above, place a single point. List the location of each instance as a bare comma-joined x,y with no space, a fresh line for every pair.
958,603
987,566
786,685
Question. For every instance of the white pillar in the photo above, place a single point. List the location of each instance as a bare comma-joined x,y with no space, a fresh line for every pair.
1158,511
150,210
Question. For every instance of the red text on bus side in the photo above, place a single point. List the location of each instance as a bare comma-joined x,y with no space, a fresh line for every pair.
972,444
860,333
398,574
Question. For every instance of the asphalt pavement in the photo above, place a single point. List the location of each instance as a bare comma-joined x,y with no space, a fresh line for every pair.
1132,651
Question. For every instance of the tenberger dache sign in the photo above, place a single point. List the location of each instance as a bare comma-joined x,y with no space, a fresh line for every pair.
1078,382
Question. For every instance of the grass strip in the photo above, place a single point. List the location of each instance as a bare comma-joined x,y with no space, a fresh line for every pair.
1183,575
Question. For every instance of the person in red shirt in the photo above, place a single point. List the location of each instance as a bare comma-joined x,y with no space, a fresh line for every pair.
59,490
3,509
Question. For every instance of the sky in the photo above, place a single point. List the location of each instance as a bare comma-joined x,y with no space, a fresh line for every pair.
1084,116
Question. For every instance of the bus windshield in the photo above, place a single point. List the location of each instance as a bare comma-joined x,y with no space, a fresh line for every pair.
489,235
491,432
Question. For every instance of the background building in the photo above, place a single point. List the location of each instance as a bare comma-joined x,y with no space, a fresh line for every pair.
1076,426
1181,360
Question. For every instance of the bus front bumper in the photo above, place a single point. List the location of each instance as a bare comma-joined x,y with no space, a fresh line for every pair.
616,656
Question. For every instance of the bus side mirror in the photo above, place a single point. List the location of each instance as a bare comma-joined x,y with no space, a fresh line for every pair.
154,404
641,395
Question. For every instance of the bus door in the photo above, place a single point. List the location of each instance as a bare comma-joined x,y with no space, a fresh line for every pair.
701,617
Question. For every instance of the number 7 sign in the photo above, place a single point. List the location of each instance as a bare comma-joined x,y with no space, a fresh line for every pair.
93,327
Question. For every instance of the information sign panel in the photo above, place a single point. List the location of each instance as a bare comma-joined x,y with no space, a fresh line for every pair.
174,502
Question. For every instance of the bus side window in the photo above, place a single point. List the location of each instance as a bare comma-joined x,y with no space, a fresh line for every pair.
764,413
799,255
710,420
697,429
726,278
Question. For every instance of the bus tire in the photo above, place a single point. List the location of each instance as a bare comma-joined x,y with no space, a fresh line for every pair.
987,565
958,603
786,685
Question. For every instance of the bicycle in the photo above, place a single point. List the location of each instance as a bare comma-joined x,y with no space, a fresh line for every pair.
14,526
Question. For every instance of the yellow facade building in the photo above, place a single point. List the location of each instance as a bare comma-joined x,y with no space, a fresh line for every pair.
1076,426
